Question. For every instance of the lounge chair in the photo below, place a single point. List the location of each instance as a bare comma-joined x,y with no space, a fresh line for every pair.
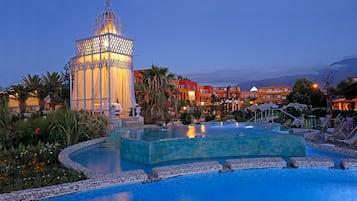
337,132
352,133
352,140
325,121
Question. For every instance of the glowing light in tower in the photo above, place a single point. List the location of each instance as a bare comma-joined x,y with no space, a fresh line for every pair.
102,70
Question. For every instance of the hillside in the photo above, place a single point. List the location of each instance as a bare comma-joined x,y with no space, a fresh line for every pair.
339,70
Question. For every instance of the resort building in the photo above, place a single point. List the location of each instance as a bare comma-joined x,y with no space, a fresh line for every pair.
31,104
348,101
188,90
205,95
138,76
102,70
248,98
229,97
344,104
227,92
273,94
251,95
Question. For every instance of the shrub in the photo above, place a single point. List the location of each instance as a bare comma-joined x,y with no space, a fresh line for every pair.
242,115
228,117
209,117
8,129
318,112
33,166
186,118
71,127
293,111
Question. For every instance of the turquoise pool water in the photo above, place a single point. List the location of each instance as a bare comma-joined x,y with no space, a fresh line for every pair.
311,184
209,140
209,129
105,158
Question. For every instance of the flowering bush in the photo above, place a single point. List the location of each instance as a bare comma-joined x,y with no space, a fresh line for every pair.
27,162
33,166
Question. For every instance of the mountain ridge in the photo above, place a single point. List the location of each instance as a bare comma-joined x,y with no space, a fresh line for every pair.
337,71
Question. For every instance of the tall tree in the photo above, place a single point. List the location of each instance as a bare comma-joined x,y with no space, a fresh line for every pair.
65,89
343,84
53,83
304,93
157,93
19,93
36,88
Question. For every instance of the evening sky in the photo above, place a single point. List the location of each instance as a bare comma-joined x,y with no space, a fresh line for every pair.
216,42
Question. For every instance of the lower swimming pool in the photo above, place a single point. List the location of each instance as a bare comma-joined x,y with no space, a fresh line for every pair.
311,184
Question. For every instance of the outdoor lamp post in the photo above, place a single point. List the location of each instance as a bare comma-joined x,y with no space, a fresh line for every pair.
327,96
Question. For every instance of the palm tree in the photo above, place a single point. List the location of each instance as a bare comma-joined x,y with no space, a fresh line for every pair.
7,128
36,88
52,84
20,93
157,92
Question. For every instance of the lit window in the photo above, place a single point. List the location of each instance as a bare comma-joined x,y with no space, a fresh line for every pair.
191,95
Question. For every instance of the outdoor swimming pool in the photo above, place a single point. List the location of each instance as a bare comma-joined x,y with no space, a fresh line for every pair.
209,140
310,184
105,158
205,130
257,184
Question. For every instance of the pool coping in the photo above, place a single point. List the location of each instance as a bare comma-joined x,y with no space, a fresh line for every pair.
65,160
96,180
127,177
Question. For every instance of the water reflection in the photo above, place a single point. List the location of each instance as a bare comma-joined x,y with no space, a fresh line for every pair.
121,196
203,130
191,132
214,129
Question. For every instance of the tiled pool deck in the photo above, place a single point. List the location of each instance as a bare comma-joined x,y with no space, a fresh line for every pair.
95,180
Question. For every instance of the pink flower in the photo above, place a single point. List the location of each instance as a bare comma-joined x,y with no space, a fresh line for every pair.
37,131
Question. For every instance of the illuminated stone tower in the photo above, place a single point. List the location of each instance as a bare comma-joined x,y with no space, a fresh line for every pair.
102,71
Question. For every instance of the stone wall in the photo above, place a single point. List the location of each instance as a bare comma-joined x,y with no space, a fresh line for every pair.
300,162
185,169
254,163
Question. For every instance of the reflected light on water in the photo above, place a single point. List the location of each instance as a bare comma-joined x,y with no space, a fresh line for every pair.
191,132
203,130
122,196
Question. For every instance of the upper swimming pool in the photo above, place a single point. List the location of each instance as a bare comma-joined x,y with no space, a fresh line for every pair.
209,129
210,140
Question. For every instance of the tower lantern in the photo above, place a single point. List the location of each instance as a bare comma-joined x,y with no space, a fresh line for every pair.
102,70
